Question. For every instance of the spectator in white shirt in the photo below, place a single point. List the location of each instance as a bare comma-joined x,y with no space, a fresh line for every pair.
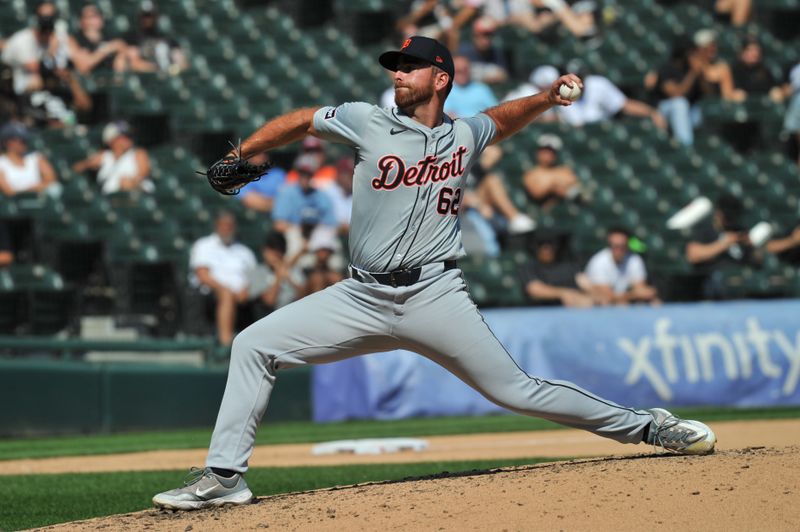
616,275
602,100
122,167
21,171
221,269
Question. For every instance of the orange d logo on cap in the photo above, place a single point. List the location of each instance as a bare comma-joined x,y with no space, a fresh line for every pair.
406,44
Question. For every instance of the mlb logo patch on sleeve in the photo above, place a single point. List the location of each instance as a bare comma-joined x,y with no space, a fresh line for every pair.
330,113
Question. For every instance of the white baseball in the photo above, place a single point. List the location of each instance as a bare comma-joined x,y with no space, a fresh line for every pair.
570,93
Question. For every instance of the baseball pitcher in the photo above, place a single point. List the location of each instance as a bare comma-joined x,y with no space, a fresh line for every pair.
411,165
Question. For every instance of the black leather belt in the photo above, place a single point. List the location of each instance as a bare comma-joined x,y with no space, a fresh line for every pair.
397,278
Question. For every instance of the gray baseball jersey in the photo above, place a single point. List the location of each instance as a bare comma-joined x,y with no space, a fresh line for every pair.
408,182
407,192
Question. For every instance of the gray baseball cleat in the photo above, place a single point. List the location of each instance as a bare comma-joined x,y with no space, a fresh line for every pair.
205,489
682,436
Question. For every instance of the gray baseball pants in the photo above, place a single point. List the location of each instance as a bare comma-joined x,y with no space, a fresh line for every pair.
434,317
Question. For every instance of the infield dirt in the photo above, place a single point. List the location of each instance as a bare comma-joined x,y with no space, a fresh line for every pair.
741,487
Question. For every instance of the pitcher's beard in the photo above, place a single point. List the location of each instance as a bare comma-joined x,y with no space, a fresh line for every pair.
411,97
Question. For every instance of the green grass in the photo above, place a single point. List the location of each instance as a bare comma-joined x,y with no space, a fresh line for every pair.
39,500
299,432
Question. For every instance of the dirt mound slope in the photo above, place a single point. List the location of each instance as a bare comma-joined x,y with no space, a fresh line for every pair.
753,488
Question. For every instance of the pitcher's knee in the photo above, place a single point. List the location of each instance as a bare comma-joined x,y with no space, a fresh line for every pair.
249,344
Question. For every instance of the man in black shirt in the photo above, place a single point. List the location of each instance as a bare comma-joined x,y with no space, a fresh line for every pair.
552,279
719,242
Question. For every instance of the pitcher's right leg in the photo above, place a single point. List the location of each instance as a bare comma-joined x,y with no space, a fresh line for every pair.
342,321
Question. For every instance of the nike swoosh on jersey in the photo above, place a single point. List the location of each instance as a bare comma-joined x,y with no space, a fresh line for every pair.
394,131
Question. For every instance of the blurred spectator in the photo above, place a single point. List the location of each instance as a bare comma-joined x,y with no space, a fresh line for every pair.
30,50
323,273
491,197
719,242
750,74
21,171
301,209
220,270
6,252
468,97
677,86
122,167
341,193
602,100
577,18
787,247
149,50
325,174
276,282
716,78
488,61
438,19
738,11
39,59
540,80
552,278
92,50
617,276
518,13
791,122
549,182
260,195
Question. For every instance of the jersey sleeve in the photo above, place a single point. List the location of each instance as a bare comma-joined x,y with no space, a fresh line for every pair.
345,123
483,130
597,272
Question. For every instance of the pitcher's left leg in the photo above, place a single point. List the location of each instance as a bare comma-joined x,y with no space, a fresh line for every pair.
467,348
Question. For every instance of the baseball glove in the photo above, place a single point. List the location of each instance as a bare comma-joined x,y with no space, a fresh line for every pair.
229,174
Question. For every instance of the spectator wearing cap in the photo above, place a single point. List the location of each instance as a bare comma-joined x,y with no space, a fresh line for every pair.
91,49
341,193
553,277
616,275
548,182
260,195
719,242
221,269
602,100
488,61
277,281
20,170
300,208
149,50
122,167
540,80
716,78
325,174
468,97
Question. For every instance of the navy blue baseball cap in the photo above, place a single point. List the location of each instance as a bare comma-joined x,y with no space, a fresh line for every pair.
424,48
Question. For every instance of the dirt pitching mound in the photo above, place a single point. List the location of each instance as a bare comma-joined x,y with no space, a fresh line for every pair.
754,488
